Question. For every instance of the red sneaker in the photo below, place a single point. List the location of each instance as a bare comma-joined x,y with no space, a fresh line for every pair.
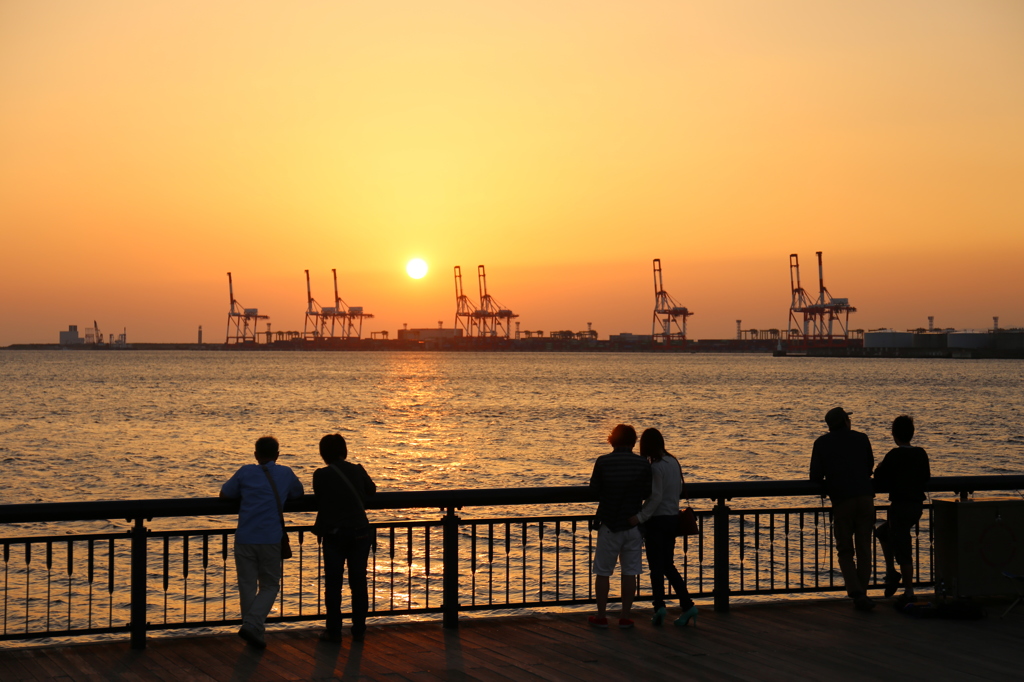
625,623
598,622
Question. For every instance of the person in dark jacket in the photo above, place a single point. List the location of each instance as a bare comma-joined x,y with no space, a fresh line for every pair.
842,460
903,473
622,481
341,489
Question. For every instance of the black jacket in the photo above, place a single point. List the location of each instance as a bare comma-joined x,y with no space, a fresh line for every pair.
843,460
337,507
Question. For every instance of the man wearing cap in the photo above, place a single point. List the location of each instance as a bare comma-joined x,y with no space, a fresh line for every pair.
842,461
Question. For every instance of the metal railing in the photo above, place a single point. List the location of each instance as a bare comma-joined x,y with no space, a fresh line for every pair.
144,579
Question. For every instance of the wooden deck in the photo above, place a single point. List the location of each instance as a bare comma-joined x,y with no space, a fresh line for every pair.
800,640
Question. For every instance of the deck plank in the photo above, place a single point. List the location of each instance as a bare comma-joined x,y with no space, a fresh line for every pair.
812,639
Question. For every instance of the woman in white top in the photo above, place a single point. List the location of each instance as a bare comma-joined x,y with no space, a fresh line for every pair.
660,517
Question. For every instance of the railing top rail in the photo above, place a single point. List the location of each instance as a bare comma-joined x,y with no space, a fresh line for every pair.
443,499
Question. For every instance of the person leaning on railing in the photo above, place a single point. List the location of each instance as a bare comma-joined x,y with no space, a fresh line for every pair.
842,459
341,489
903,473
262,489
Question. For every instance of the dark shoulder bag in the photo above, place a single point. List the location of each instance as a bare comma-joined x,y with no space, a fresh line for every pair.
286,545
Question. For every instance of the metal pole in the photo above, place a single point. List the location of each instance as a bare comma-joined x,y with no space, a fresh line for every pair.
450,599
138,624
721,514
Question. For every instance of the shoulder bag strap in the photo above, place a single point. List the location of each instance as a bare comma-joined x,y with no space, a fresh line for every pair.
359,499
277,498
683,481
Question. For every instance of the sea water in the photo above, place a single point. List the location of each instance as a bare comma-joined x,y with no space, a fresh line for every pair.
107,425
87,425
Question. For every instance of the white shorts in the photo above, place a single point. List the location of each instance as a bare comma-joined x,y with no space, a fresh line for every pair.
626,545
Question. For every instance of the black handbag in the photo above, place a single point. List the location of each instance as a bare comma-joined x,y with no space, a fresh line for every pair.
686,522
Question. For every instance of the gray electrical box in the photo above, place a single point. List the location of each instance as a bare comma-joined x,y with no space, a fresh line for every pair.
975,542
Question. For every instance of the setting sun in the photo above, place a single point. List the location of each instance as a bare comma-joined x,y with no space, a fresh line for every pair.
416,268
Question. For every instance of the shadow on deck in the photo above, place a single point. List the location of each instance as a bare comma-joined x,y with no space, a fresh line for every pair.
824,640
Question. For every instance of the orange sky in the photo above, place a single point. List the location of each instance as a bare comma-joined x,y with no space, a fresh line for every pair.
148,148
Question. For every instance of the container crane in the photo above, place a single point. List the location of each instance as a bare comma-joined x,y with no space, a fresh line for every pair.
669,322
825,320
350,318
242,321
315,326
495,320
465,318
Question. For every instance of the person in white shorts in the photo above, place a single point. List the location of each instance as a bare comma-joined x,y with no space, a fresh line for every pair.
622,480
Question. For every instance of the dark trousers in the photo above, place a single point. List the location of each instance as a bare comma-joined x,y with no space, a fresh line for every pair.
660,541
852,522
340,548
894,534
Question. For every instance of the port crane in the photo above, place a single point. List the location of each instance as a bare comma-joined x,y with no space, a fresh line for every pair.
350,318
94,335
242,321
494,319
669,323
465,318
823,321
317,318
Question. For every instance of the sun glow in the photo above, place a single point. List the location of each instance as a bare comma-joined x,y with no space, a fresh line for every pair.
416,268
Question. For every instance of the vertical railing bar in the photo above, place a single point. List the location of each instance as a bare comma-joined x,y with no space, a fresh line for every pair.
490,563
28,571
91,572
573,559
508,562
700,553
590,562
450,598
472,563
7,574
817,549
167,571
742,547
540,561
409,565
110,583
184,578
523,537
757,551
224,576
426,564
786,526
71,570
721,556
391,553
206,568
302,582
139,552
280,591
558,560
49,568
832,550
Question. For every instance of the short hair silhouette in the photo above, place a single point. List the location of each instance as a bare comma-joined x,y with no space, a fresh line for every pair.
903,428
622,437
267,447
333,447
